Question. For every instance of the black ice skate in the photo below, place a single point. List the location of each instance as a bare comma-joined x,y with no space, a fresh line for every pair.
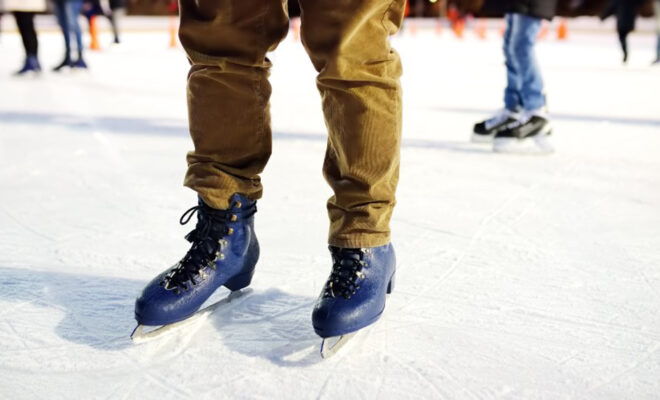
484,131
526,136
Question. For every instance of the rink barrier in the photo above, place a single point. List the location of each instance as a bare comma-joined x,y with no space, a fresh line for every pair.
46,23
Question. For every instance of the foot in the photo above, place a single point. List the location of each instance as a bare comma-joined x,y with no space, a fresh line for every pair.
354,295
65,63
484,131
31,65
79,63
528,135
224,252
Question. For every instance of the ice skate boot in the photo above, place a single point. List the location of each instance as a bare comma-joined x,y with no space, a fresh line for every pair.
65,63
354,295
224,252
31,66
484,131
529,135
79,63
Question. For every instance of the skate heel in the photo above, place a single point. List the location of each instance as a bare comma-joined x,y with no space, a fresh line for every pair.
390,286
240,281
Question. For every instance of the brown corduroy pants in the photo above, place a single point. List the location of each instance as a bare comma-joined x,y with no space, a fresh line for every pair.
228,93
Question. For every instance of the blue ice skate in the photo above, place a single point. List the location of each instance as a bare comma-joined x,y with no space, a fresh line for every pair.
31,65
354,295
224,252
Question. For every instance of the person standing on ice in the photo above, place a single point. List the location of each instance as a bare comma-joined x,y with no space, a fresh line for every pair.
67,13
24,11
228,103
625,12
656,8
523,124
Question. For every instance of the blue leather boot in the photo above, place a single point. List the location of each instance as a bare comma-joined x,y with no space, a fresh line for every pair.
354,295
31,65
224,252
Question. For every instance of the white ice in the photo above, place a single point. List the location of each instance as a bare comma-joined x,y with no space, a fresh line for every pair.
518,276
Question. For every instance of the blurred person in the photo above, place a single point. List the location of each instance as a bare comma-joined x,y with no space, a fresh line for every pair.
117,12
625,12
67,13
113,13
228,106
24,11
523,124
656,7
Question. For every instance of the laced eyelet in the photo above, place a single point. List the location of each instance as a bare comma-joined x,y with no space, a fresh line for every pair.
346,271
209,241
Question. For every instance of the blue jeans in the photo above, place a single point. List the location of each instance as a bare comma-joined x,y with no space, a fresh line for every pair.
67,12
524,88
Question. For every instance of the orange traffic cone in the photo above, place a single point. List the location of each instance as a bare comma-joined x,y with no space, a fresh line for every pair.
459,27
481,29
562,30
94,34
413,27
543,32
438,27
295,28
173,32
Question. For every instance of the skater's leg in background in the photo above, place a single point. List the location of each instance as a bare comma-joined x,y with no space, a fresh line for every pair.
228,93
522,43
656,7
115,16
25,23
74,7
512,98
623,40
361,95
60,13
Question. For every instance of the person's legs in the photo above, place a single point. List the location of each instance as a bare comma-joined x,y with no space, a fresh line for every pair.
73,13
25,23
656,7
623,40
523,38
358,79
114,16
228,93
512,96
60,13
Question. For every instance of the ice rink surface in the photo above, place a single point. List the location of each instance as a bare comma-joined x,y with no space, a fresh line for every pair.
534,277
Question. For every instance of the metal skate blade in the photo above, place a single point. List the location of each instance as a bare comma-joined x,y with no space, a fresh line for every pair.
140,336
331,345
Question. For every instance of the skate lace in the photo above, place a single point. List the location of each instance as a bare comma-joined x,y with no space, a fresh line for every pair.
347,265
207,242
